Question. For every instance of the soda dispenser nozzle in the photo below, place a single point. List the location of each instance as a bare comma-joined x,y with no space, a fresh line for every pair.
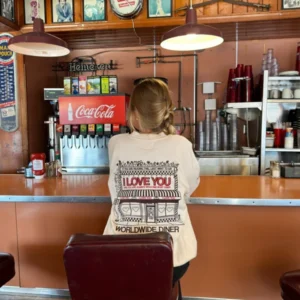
91,130
107,130
67,131
75,130
99,130
116,129
83,130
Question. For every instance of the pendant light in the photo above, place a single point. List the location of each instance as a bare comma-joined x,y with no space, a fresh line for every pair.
38,42
191,36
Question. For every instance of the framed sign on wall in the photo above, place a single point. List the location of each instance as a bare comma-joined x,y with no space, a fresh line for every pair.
62,11
94,10
34,9
290,4
8,87
159,8
8,9
125,9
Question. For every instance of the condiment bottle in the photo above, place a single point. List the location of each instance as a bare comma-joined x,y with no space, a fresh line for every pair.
275,173
38,165
289,139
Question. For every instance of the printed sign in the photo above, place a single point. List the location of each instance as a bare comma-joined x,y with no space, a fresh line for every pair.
125,8
8,88
147,197
93,109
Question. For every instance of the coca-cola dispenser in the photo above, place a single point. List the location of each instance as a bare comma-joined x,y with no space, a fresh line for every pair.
86,123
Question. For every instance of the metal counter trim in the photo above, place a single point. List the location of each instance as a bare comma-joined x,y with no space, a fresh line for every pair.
245,201
65,294
193,200
56,199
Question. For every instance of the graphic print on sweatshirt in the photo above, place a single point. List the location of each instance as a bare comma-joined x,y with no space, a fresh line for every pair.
147,197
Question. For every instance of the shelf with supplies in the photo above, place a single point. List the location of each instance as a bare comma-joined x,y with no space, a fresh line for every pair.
239,105
289,101
280,108
284,77
282,150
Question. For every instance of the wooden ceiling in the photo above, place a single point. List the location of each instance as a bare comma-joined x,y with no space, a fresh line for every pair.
92,39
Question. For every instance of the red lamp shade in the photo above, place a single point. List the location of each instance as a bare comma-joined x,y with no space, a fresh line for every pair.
191,36
38,42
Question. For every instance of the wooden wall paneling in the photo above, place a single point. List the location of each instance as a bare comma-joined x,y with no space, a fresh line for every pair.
38,110
8,25
279,4
48,11
211,10
126,37
239,9
20,13
78,10
23,108
275,4
253,9
224,8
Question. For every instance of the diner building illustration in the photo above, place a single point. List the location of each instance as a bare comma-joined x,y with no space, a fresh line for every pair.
147,193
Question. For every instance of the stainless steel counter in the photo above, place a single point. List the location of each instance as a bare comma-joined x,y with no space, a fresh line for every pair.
213,190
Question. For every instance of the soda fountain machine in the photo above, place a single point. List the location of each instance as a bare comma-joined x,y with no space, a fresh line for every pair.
83,129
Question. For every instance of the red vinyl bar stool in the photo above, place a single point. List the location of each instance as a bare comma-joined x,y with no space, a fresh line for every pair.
290,285
7,268
127,267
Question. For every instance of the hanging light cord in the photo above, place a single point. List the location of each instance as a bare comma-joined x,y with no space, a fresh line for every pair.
191,4
133,27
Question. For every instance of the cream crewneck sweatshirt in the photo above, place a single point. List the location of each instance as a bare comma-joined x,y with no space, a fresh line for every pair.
151,178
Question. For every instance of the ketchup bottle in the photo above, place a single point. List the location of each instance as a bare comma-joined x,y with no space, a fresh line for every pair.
38,165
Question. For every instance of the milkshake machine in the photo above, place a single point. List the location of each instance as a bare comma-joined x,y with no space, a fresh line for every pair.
83,127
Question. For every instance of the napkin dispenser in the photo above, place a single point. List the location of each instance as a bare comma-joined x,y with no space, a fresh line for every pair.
290,171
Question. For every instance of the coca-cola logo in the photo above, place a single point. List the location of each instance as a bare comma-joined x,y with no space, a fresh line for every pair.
101,112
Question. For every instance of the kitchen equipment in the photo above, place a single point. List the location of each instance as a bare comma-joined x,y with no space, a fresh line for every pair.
249,151
290,171
227,163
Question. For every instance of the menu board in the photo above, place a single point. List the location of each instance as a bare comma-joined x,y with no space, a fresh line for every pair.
8,89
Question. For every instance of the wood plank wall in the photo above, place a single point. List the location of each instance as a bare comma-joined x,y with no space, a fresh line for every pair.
220,12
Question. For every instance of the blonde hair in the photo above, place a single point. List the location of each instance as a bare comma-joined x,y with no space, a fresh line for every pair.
152,101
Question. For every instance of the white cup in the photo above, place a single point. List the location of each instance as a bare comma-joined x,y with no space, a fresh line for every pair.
297,94
275,94
287,94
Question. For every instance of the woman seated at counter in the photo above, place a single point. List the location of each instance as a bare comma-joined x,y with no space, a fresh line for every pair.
152,173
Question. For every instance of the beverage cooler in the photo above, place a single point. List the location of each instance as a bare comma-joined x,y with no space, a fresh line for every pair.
84,126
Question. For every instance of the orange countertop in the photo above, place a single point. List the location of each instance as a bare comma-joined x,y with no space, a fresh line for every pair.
212,189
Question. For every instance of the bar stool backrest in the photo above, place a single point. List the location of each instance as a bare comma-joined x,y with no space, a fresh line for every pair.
120,267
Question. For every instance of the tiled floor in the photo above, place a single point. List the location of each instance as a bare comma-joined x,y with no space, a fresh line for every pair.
29,297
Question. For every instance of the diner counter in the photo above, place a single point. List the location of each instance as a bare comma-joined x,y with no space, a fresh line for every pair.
213,190
246,238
